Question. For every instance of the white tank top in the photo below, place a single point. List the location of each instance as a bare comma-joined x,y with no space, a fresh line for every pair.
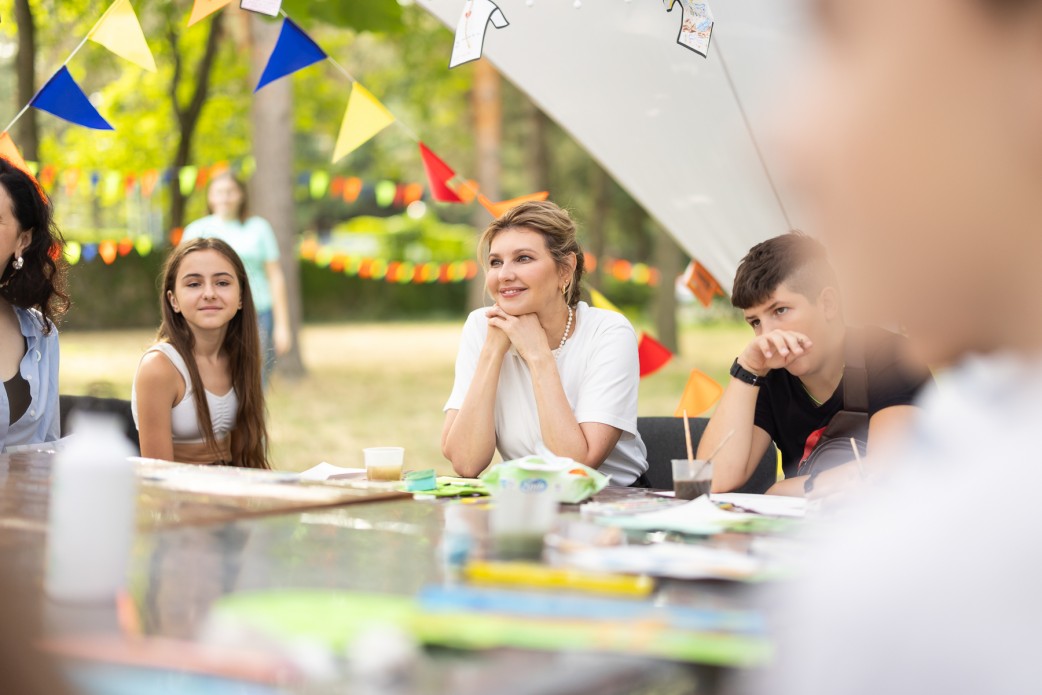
184,424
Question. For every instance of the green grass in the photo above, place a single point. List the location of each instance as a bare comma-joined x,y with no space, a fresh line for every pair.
372,385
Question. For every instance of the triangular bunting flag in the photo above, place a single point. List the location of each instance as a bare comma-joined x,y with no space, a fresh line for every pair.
703,285
701,393
653,355
438,174
9,152
62,97
202,9
601,302
294,50
502,208
120,32
364,118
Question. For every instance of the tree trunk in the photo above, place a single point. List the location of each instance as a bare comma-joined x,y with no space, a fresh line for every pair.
487,109
271,190
28,134
187,116
669,259
537,160
597,221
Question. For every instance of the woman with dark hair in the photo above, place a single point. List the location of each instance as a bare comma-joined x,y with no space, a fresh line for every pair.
197,396
254,240
32,295
541,369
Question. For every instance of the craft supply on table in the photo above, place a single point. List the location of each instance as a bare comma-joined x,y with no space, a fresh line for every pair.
571,482
691,478
700,517
537,576
421,481
670,560
384,463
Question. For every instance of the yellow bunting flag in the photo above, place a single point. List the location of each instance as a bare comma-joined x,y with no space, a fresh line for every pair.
701,393
202,9
120,32
499,209
365,117
601,302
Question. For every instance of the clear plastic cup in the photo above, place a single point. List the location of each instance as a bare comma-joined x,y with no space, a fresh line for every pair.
691,478
384,463
521,517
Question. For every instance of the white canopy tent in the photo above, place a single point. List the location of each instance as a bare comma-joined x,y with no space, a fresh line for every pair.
667,123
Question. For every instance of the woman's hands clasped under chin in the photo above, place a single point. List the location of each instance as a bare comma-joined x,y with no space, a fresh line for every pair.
524,332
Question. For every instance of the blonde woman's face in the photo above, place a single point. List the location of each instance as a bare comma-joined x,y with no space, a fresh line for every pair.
522,276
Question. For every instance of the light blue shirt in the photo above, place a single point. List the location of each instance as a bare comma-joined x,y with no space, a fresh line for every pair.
39,367
254,241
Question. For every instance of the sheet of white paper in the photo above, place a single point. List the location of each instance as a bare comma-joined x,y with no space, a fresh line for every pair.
268,7
768,505
699,516
470,31
325,471
675,560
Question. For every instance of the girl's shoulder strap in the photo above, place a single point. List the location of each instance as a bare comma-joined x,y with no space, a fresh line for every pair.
175,358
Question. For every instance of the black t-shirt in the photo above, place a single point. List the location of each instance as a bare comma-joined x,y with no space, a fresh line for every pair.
786,411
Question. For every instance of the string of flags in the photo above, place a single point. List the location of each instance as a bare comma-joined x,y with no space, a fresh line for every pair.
696,27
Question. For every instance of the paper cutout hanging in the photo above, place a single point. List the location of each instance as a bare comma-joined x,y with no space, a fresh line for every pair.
502,208
364,118
601,302
703,285
470,31
62,97
120,31
202,9
653,355
438,174
696,25
700,394
294,50
268,7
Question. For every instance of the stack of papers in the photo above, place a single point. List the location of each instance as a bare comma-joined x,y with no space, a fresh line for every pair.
703,517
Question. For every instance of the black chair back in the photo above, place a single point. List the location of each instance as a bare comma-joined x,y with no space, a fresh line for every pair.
664,439
93,404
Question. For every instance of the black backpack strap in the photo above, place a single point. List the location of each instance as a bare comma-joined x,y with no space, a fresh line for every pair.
855,375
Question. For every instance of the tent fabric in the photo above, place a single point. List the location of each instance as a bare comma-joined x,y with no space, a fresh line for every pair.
661,119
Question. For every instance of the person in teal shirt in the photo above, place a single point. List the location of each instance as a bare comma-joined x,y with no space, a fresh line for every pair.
254,240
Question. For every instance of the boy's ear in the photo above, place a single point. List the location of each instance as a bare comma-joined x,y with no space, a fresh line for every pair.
830,304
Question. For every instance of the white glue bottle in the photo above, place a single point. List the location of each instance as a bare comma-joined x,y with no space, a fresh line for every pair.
92,512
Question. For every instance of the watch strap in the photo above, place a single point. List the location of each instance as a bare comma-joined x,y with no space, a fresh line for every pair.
744,375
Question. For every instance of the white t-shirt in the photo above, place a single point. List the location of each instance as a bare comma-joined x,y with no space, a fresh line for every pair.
600,373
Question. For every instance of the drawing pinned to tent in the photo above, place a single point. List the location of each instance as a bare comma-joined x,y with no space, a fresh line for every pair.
268,7
696,26
470,31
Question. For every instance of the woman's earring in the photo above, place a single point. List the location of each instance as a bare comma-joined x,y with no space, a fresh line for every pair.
564,290
18,263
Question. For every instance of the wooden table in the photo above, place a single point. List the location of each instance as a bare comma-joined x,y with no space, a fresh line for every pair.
190,552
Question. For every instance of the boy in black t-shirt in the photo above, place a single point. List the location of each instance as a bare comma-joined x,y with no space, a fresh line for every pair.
787,384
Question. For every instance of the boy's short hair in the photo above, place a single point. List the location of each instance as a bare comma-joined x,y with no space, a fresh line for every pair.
794,259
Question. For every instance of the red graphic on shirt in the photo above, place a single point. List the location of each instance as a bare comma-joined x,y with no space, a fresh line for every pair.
812,442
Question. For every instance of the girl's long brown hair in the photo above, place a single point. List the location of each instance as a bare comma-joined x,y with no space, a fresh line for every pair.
249,443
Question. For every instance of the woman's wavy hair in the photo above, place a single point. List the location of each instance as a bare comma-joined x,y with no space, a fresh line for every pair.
556,227
242,345
40,283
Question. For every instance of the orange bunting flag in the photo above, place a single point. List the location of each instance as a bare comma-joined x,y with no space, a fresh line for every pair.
439,174
468,191
703,285
120,32
499,209
202,9
9,152
701,393
653,355
601,302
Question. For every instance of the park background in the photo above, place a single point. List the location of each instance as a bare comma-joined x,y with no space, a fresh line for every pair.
374,358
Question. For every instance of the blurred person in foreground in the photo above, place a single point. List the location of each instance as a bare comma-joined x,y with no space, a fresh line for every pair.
806,380
919,146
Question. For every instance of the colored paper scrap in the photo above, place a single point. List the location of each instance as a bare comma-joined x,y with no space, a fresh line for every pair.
364,118
470,31
696,25
120,31
438,174
62,97
294,50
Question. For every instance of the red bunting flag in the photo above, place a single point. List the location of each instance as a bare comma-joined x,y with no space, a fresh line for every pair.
499,209
439,174
700,394
653,355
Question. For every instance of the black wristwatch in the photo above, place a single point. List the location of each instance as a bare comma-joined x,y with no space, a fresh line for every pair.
742,374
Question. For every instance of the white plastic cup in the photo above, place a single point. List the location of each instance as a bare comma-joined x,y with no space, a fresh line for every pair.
521,517
384,463
691,479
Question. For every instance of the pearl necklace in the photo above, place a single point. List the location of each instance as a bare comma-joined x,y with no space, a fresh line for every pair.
567,329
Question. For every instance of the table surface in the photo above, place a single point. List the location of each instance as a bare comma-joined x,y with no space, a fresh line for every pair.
178,570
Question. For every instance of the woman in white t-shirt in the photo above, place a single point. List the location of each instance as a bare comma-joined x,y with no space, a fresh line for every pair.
540,369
